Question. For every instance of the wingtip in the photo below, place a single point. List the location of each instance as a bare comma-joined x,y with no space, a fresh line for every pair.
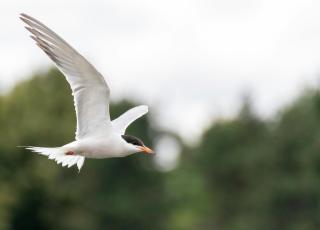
145,107
22,18
23,15
26,18
29,29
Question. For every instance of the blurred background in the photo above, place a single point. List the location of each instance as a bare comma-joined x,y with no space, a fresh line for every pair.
233,90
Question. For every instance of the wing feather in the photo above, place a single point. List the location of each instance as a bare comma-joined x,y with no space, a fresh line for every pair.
89,88
121,123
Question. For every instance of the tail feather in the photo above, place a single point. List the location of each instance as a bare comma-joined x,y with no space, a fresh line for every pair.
80,162
58,154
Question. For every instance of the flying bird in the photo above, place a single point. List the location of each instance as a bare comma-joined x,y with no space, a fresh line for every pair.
96,135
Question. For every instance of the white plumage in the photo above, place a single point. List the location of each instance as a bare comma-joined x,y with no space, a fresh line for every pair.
96,136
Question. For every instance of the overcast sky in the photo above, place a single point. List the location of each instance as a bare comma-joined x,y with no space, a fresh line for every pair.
191,60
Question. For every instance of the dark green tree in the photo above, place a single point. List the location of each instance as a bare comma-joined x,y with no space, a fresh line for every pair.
38,194
262,174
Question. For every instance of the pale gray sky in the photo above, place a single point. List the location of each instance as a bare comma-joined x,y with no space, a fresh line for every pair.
191,60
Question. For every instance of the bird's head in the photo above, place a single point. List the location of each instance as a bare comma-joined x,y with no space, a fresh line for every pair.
136,145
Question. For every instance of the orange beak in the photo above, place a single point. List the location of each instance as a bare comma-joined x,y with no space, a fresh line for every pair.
145,149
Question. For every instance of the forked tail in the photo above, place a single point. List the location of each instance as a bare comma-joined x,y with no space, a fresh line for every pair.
60,155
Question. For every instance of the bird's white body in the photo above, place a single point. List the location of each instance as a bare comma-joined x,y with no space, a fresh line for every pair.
100,146
96,135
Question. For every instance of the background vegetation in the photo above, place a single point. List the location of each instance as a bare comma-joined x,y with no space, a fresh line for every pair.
247,173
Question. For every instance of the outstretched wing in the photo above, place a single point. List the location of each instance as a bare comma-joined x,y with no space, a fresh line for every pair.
121,123
89,88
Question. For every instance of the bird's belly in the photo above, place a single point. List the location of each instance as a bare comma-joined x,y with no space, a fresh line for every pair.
100,149
100,153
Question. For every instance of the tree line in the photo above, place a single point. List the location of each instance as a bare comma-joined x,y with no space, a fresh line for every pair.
246,173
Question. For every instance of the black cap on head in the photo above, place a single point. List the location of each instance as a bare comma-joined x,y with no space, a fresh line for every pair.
132,140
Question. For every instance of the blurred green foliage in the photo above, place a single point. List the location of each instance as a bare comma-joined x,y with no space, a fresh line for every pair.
247,173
